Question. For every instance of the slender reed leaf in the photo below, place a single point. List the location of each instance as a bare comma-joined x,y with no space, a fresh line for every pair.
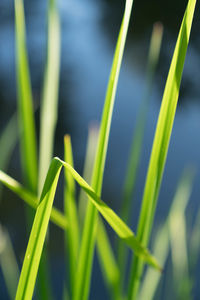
161,244
178,240
38,233
56,216
105,253
48,116
122,230
39,228
8,263
107,260
81,290
160,145
25,103
88,167
8,140
72,233
137,140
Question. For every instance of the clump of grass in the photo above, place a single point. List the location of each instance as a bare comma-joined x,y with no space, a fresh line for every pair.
82,226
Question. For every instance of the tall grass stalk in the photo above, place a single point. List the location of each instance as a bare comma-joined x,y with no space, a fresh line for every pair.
48,113
72,232
162,240
160,145
88,240
137,140
25,103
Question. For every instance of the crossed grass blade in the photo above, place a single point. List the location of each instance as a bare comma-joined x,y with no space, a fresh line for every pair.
39,229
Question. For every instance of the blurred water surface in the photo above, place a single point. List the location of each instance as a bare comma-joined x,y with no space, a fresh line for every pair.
89,32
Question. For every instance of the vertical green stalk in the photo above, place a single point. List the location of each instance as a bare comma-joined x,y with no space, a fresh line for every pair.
81,289
27,127
135,153
48,115
72,232
88,167
137,140
160,145
25,103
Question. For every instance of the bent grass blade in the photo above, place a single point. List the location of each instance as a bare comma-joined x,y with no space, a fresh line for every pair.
161,143
41,220
56,216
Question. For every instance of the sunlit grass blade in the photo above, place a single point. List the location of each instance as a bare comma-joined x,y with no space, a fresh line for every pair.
48,115
8,263
89,232
38,233
39,229
72,233
56,216
107,260
137,140
136,147
121,229
88,167
161,244
25,103
105,253
161,251
160,145
178,239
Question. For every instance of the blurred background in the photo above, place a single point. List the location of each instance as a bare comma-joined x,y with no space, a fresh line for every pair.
89,32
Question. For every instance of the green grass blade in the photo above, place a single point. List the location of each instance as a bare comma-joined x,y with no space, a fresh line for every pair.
105,253
152,278
161,143
178,239
39,228
48,116
194,244
72,233
25,103
107,260
89,232
88,167
121,229
38,233
56,216
162,239
137,141
136,147
8,140
8,263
